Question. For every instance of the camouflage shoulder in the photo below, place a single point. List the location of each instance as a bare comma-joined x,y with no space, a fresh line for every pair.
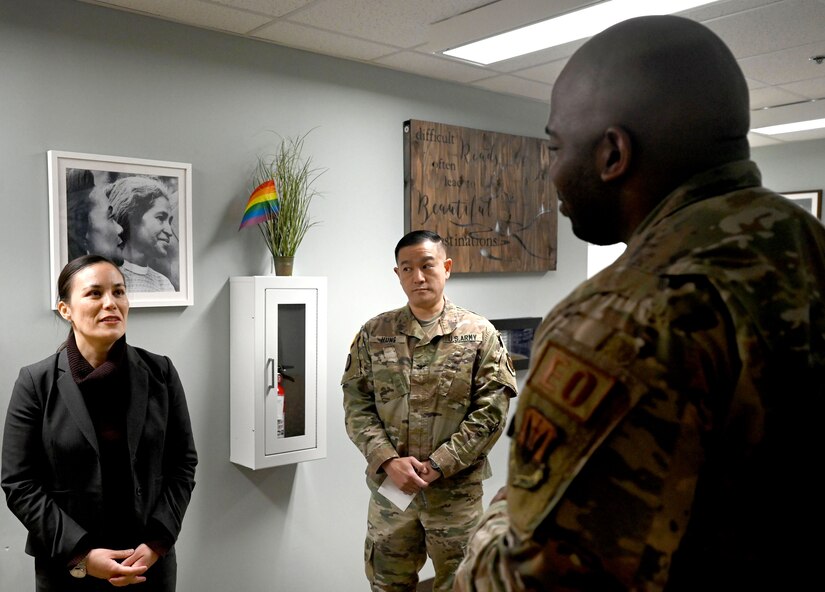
384,320
473,319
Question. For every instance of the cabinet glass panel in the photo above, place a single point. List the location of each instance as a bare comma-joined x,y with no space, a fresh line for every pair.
290,380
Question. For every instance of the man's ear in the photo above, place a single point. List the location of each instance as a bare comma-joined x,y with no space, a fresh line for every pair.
448,265
613,153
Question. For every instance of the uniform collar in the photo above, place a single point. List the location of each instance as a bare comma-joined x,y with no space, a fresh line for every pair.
447,322
720,180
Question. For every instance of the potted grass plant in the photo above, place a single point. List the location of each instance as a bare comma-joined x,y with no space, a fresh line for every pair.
279,204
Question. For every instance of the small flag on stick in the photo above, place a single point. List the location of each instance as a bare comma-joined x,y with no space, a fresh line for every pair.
262,204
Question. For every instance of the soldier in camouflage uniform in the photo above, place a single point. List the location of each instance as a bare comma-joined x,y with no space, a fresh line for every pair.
666,437
426,394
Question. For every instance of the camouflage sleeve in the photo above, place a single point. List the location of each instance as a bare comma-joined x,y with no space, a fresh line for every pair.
484,566
494,384
364,426
608,444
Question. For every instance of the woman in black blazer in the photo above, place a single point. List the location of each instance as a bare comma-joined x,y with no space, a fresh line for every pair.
98,455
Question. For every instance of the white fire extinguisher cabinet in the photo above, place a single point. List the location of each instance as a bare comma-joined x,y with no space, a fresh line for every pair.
277,337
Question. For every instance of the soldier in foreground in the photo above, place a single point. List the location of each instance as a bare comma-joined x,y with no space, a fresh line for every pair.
426,393
666,435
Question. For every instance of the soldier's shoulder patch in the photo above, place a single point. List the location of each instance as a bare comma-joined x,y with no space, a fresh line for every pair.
509,362
464,338
574,385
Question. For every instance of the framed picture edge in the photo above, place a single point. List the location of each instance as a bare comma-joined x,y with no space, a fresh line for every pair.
815,195
57,224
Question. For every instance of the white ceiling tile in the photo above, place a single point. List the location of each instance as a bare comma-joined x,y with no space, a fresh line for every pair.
810,89
273,8
195,12
719,9
752,84
514,85
493,18
402,23
775,27
432,66
796,111
319,41
780,67
546,73
770,96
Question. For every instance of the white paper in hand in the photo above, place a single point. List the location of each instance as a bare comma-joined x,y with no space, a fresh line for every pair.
390,491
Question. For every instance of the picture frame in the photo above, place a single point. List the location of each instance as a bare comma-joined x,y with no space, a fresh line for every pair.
486,193
113,206
810,200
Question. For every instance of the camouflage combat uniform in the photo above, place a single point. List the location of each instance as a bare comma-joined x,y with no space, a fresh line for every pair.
445,398
668,431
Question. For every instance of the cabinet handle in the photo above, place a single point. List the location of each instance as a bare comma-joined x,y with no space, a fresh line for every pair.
270,362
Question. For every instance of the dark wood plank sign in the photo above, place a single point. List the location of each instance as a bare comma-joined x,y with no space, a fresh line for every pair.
486,193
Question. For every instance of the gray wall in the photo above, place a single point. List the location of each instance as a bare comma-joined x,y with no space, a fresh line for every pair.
793,167
83,78
87,79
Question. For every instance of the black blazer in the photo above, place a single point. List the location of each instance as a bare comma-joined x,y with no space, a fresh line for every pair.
51,471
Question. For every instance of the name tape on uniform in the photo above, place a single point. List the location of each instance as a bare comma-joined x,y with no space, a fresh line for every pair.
465,338
388,339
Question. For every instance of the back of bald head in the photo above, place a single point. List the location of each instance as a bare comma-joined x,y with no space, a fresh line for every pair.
671,83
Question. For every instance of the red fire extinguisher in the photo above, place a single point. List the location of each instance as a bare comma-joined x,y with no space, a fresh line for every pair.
281,405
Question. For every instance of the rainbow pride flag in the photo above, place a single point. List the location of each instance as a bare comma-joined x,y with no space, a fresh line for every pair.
262,204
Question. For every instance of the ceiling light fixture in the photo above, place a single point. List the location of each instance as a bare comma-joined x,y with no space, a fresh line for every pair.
787,128
563,29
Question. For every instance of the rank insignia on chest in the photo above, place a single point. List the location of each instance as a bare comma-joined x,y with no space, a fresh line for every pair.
570,383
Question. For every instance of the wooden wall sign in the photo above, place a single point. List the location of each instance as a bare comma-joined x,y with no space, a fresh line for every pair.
486,193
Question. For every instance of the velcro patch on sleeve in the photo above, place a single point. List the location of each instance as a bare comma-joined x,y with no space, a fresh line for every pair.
537,436
572,384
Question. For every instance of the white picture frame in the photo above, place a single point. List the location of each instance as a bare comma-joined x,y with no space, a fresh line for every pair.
77,180
810,200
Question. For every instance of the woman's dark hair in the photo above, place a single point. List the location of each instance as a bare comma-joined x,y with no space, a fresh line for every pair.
64,280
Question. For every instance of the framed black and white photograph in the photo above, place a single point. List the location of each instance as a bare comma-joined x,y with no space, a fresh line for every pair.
809,200
135,211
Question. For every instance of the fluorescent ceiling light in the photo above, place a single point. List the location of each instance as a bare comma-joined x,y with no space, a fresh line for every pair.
563,29
787,128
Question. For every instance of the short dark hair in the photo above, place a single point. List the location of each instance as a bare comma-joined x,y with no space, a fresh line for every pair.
64,280
417,237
